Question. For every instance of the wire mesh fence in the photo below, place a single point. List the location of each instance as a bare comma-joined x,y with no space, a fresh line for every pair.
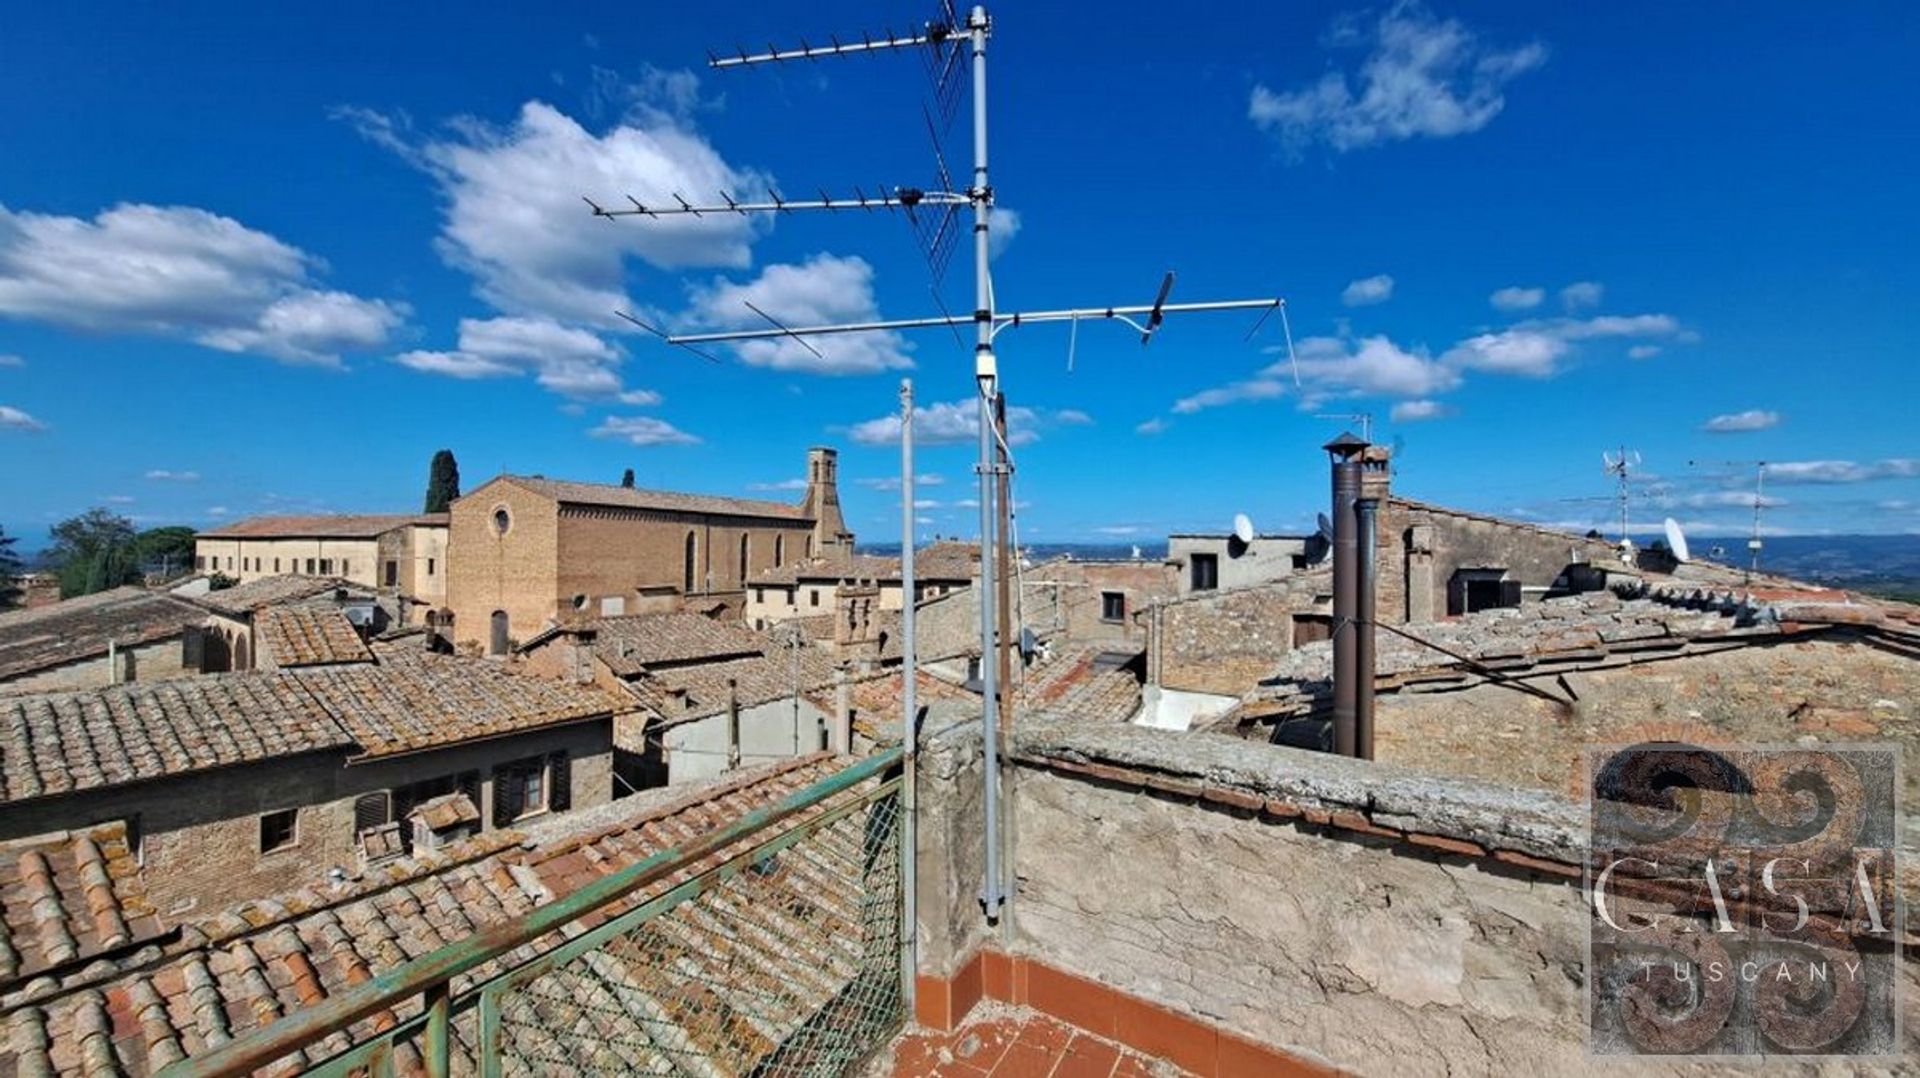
785,962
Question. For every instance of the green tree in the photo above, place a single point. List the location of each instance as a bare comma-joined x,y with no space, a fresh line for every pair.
10,570
166,551
443,482
94,551
626,479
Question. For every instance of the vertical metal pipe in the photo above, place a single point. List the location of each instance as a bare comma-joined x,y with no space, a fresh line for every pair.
439,1032
1367,520
986,372
1003,568
909,718
1346,487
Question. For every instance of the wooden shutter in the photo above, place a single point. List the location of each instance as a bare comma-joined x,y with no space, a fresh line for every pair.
468,783
369,811
509,795
559,783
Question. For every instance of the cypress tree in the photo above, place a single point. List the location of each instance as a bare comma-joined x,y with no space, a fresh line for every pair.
443,482
626,479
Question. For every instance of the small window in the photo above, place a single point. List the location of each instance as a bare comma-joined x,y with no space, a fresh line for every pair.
393,573
309,566
502,521
279,830
1113,606
346,568
199,561
813,596
229,561
1206,572
429,566
326,566
580,602
370,811
276,565
519,789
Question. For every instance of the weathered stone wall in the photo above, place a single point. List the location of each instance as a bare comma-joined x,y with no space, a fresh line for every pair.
357,560
950,856
1241,565
200,834
515,572
157,661
1075,601
948,626
1225,642
697,750
1415,568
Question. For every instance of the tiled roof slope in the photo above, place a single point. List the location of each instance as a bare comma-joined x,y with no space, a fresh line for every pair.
667,500
308,636
691,692
53,743
269,591
68,898
1087,683
323,526
246,968
413,700
946,561
850,567
77,629
634,642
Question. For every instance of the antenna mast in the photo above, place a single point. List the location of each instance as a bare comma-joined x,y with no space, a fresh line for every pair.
1620,465
947,41
1754,543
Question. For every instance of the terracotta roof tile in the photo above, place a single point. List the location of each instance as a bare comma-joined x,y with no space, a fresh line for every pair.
637,641
669,501
77,629
67,898
323,526
270,591
290,636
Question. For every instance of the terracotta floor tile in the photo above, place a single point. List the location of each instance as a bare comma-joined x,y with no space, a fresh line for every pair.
1087,1057
1025,1060
981,1044
1047,1034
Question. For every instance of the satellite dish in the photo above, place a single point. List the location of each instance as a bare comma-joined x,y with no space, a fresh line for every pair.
1242,528
1677,540
1326,526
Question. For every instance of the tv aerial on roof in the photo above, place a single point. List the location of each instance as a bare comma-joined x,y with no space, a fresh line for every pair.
1677,541
1243,527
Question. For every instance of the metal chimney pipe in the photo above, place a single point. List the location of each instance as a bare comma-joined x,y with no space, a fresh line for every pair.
1367,519
1345,451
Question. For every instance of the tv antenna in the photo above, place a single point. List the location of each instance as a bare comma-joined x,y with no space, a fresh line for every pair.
1365,419
945,43
1621,466
1754,543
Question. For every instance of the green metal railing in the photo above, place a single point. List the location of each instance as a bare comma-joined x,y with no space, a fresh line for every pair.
768,946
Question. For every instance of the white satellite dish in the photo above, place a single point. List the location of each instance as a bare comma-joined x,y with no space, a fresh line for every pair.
1677,540
1326,526
1242,527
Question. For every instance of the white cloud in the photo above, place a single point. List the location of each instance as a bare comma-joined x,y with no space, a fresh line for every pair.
643,431
1416,411
514,217
164,475
954,423
1254,389
15,419
1643,351
1151,427
1119,529
1730,499
1581,295
568,360
823,289
1534,349
796,483
177,271
892,482
1371,366
118,499
1423,77
1841,471
12,361
1738,422
217,511
1368,291
1515,298
1002,229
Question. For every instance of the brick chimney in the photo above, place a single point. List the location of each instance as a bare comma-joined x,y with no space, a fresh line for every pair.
822,502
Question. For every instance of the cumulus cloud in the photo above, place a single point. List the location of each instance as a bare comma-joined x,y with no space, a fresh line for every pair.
1515,298
12,361
1368,291
1740,422
178,271
1535,349
1422,77
164,475
823,289
1582,295
892,482
1730,499
1370,366
514,219
796,483
1842,471
643,431
956,423
1150,427
1253,389
568,360
1002,229
14,419
1643,351
1417,411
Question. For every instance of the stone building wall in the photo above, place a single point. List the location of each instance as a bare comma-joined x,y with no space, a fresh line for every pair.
516,572
156,661
1072,590
200,834
696,750
357,560
1422,546
1225,642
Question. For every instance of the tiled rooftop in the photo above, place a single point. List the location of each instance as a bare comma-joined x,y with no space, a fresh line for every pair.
635,642
323,526
670,501
245,968
52,743
76,629
268,591
412,700
702,689
849,567
291,636
68,898
1085,682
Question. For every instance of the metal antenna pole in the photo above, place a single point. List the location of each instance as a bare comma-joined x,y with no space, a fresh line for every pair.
986,373
909,715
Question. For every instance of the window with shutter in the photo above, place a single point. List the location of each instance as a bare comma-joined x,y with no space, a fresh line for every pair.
370,811
559,783
509,795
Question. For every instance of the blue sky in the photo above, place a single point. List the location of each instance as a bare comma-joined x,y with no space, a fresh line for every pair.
255,259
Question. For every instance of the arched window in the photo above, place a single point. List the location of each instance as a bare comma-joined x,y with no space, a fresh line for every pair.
746,553
497,638
686,585
779,551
